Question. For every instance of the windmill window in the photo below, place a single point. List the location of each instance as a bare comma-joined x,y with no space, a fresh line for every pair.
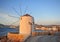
30,23
21,18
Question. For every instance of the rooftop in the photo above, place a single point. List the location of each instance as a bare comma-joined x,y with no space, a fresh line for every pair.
27,15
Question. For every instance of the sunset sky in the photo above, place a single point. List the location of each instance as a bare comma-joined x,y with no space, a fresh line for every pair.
44,11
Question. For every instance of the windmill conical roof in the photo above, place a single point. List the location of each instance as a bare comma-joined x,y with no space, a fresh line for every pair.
27,15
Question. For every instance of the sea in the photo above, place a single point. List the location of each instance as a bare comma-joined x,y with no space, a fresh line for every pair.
4,31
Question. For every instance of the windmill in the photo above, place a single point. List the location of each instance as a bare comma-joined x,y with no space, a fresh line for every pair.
25,21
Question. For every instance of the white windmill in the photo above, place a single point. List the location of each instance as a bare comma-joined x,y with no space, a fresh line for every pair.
26,23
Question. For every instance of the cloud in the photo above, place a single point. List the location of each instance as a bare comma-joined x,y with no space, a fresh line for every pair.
5,19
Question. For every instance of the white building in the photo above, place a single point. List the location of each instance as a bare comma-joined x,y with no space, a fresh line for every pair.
26,24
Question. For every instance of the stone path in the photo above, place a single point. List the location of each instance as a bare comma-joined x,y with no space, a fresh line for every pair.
44,39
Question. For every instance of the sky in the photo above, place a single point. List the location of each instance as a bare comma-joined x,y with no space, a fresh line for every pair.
45,12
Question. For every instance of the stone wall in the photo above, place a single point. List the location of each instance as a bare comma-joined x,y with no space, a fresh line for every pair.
15,37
